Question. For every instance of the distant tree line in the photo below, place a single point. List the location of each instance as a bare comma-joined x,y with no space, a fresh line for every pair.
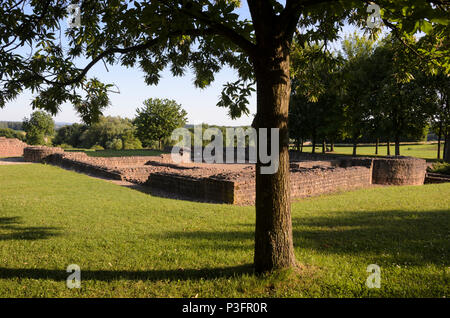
372,91
11,133
150,128
15,125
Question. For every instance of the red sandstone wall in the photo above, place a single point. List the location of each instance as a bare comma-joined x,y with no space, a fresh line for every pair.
39,153
11,147
307,179
304,182
311,182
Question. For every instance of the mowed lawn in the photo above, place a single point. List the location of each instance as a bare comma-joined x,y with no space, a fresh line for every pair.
130,244
425,151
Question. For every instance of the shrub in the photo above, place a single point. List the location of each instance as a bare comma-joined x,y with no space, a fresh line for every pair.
65,146
97,147
70,135
130,141
105,130
10,133
440,167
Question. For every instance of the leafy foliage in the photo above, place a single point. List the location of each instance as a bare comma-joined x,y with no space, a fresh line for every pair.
157,119
177,34
70,134
110,133
10,133
39,128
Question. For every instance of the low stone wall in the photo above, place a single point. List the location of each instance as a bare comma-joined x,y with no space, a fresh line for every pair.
137,174
11,147
69,161
241,190
132,169
314,164
436,178
310,182
39,153
206,189
399,171
234,183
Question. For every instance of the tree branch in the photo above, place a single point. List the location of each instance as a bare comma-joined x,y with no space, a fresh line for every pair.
114,50
221,29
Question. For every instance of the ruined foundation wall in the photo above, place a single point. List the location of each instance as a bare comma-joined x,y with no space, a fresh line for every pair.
39,153
304,183
11,147
70,161
235,184
399,171
312,182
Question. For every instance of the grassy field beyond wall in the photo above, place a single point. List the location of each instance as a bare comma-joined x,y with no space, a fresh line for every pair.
425,151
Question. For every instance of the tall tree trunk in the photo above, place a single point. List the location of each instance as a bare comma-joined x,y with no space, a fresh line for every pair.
355,144
324,146
439,141
388,147
447,148
332,146
313,144
301,145
273,233
159,144
397,146
376,146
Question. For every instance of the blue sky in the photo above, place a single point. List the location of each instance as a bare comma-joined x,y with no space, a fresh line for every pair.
200,104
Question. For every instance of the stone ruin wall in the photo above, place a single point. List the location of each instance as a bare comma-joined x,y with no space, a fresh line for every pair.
39,153
200,181
131,169
401,171
304,182
11,147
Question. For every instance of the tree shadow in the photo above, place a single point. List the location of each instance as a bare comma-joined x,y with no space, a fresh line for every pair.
14,231
391,236
111,275
400,236
211,240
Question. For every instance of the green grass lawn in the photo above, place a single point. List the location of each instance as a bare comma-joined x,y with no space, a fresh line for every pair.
425,151
128,243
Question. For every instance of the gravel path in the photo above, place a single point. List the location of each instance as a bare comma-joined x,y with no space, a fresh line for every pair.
13,161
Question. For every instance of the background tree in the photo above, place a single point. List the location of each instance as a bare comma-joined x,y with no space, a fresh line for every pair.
315,109
404,101
438,86
157,119
39,129
356,81
204,35
108,133
11,133
70,135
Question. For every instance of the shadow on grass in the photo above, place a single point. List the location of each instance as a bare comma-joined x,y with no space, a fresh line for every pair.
111,275
15,231
399,236
391,236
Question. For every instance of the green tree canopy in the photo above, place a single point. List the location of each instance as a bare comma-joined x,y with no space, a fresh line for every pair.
70,135
110,132
11,133
39,128
157,119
